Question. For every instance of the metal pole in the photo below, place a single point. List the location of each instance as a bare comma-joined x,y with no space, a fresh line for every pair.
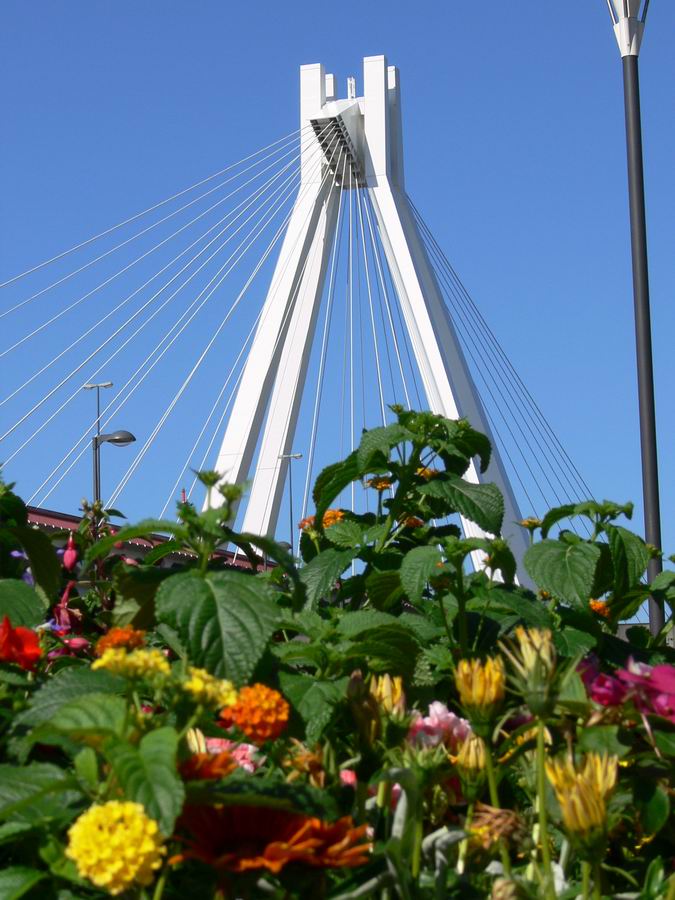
643,335
96,483
290,500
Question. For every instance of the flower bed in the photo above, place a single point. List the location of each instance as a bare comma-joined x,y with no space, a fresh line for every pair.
378,722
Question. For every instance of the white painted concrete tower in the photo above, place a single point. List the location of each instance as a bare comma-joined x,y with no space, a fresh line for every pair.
367,132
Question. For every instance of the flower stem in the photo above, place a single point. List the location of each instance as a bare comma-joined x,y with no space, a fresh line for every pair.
541,804
597,882
464,846
494,800
161,884
417,848
585,880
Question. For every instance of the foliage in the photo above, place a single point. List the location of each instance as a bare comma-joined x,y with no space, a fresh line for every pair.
374,719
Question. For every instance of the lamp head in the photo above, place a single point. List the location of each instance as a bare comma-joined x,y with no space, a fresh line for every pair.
101,384
119,438
628,21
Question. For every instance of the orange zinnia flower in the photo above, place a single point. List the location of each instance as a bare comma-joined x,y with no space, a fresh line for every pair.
241,838
207,766
260,712
126,636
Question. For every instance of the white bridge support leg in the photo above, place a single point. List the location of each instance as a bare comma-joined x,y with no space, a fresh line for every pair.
292,278
448,385
262,509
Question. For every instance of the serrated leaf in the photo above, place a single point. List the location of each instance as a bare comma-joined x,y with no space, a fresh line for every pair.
37,793
665,741
352,624
86,768
653,805
384,589
16,881
331,481
389,648
501,600
481,503
345,534
67,685
137,585
321,573
603,739
92,716
565,570
630,557
147,774
418,565
380,441
314,699
572,642
272,792
20,603
224,619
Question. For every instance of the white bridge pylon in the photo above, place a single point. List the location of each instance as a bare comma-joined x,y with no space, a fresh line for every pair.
366,133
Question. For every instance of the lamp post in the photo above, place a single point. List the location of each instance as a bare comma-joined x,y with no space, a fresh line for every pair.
98,386
118,439
290,457
628,19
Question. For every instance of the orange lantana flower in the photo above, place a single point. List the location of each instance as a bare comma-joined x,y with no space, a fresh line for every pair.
241,838
259,711
379,483
600,608
207,766
127,637
330,517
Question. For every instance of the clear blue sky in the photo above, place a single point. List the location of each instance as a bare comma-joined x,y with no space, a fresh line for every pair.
515,153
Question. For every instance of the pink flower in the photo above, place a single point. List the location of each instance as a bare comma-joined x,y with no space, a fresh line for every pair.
70,555
348,778
76,644
589,670
246,756
440,727
607,691
652,689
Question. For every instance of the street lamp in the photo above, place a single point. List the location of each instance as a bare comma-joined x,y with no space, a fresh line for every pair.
628,20
290,457
118,439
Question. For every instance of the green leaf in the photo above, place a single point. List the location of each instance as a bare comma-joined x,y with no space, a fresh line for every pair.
572,642
418,565
653,805
565,570
629,558
665,741
36,793
224,619
389,648
86,768
321,573
384,589
44,563
138,585
93,715
147,774
481,503
66,685
353,624
331,481
271,792
500,599
20,603
345,534
378,442
144,529
314,699
16,881
10,831
603,739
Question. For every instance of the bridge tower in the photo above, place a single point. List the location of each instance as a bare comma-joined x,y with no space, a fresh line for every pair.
367,132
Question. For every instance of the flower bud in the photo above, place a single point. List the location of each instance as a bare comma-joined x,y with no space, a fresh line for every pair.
388,692
70,555
481,688
533,660
470,764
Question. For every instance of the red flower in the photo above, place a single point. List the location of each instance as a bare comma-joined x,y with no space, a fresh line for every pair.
19,645
652,689
241,838
607,691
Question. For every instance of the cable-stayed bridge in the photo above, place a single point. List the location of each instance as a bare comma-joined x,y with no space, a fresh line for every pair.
277,307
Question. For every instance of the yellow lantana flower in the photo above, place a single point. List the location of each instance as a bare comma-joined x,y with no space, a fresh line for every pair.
116,846
208,690
149,664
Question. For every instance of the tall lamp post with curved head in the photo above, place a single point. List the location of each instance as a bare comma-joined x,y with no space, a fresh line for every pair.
628,19
118,439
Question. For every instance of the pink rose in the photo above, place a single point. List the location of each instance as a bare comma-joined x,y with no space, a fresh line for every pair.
440,727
